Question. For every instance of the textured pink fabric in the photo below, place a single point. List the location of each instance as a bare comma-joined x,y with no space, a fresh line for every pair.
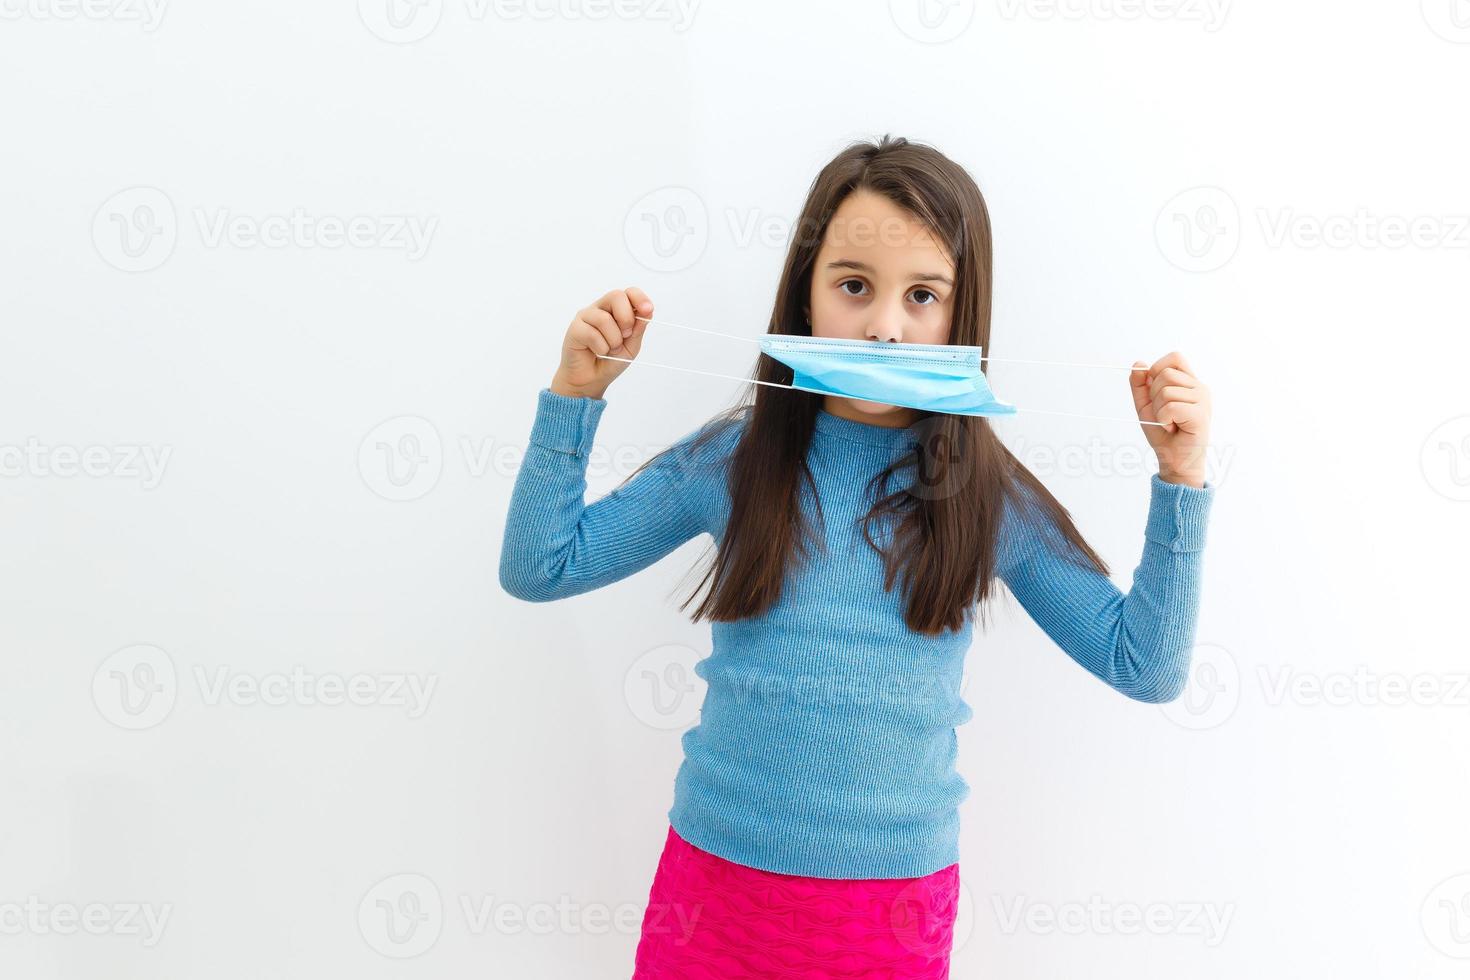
713,919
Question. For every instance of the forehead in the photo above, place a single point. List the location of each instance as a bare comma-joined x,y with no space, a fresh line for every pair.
870,228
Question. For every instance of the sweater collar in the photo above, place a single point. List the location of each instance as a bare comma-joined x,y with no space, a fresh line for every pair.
887,437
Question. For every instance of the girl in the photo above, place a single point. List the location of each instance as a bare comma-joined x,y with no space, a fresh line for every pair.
814,827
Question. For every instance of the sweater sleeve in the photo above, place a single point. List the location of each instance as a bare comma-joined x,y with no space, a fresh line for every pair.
556,545
1140,643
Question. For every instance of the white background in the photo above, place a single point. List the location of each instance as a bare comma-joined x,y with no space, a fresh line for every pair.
334,430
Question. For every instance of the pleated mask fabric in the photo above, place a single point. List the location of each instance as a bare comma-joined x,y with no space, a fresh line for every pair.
932,377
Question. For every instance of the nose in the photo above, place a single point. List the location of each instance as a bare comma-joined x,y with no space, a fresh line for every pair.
887,324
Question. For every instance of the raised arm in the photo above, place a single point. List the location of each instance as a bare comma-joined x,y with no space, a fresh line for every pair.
1139,643
556,545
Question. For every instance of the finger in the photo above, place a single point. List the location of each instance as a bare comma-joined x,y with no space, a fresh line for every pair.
642,305
633,343
1165,414
1172,359
614,303
1174,393
1142,403
600,332
622,313
1138,381
1181,416
606,301
586,337
643,311
1171,376
607,323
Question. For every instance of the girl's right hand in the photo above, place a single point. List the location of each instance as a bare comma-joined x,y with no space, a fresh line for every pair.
605,327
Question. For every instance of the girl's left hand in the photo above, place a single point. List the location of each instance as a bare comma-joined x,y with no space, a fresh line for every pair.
1168,392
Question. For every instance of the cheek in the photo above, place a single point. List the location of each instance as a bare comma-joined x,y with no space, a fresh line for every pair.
832,317
935,325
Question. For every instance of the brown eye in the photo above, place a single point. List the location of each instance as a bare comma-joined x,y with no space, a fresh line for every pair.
849,282
926,292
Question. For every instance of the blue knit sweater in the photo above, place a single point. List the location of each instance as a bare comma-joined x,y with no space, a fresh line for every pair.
826,741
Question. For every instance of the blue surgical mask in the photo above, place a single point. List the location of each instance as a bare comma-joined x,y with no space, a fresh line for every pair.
934,377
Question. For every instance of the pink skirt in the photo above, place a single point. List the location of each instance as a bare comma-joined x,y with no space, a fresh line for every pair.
713,919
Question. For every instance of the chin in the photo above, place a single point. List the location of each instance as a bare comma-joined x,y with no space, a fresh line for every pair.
875,409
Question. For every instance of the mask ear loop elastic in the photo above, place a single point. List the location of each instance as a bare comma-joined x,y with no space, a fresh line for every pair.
750,340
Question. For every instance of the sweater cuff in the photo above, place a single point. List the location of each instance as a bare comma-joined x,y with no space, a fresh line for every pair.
1178,514
566,423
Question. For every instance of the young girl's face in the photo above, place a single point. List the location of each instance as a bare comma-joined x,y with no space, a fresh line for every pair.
879,275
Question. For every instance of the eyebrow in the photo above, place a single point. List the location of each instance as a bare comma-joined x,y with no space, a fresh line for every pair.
864,267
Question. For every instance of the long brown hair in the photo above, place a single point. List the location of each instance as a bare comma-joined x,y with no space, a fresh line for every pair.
947,521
